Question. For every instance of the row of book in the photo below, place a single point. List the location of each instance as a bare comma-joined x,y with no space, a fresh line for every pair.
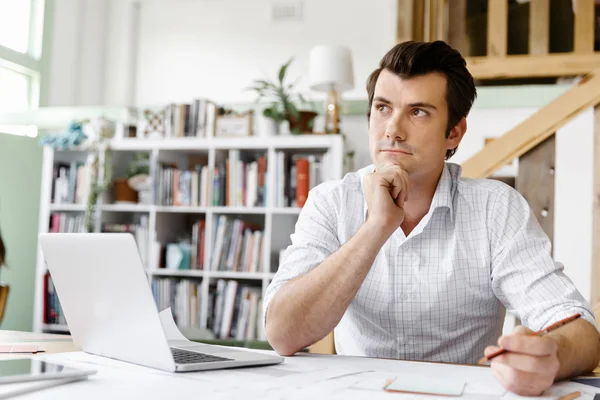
177,187
196,119
295,175
239,181
237,246
53,313
140,231
66,223
185,254
70,183
184,298
235,311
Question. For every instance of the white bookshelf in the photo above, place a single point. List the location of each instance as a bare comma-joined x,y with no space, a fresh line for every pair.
277,223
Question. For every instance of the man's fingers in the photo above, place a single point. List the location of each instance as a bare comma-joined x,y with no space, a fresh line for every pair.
490,350
520,382
527,363
522,330
533,345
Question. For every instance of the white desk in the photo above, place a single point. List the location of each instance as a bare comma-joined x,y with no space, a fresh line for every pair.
304,376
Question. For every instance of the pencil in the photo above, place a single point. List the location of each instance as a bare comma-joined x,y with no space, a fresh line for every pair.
538,333
570,396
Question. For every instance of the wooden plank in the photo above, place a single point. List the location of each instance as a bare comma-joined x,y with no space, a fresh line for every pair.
536,128
323,346
584,26
539,26
519,66
595,297
404,20
433,25
457,30
536,182
497,22
419,20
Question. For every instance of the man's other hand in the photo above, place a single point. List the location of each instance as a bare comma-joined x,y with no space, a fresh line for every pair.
530,365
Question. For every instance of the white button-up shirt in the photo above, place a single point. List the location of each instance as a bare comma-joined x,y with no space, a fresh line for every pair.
439,294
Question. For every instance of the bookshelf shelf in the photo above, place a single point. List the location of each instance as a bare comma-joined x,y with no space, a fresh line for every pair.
191,273
287,210
126,208
67,207
236,275
180,209
56,328
239,210
210,172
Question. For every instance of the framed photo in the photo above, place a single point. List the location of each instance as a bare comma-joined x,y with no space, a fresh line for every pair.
234,125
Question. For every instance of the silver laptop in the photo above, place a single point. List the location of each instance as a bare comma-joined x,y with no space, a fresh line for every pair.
110,310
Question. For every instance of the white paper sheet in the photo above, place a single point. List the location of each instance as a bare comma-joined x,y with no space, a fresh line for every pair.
171,330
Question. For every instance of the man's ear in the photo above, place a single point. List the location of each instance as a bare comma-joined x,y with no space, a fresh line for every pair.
456,134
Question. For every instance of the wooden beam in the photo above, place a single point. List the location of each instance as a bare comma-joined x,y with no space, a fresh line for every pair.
536,128
419,20
457,30
595,297
539,26
404,20
519,66
536,182
497,34
584,26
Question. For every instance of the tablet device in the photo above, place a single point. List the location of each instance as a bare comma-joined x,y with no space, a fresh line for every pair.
29,369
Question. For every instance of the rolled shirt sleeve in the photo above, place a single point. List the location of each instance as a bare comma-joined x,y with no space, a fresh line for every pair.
313,241
525,278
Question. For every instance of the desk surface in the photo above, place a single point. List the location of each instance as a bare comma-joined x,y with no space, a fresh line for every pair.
192,382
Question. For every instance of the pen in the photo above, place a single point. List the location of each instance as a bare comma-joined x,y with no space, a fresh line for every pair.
538,333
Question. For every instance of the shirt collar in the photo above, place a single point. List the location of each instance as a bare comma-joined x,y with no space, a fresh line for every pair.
444,193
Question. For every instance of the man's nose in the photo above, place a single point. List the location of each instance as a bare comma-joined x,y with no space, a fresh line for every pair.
394,129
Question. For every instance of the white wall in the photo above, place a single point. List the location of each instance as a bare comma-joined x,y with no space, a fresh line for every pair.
216,48
78,50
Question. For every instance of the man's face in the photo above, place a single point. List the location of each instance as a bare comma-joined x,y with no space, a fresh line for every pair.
408,123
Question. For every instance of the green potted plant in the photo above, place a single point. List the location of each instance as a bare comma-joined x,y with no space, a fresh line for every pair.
284,102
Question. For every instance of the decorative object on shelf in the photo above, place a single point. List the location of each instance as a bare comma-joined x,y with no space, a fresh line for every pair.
330,70
100,178
284,102
73,136
232,124
138,177
153,123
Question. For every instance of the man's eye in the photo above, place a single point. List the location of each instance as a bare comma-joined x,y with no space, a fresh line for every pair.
417,112
381,107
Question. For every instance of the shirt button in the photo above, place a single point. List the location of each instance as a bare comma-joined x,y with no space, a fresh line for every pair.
404,296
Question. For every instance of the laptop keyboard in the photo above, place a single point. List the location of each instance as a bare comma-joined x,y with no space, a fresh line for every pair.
192,357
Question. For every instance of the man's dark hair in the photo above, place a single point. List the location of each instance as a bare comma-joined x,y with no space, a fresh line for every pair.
2,252
409,59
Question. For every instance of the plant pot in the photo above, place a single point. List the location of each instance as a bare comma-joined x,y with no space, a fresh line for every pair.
267,126
304,124
123,193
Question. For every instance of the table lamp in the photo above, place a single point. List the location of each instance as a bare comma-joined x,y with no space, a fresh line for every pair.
330,70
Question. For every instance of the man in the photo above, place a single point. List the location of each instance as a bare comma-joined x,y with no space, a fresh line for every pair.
407,260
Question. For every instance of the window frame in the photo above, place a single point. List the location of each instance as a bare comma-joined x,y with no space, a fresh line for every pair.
33,63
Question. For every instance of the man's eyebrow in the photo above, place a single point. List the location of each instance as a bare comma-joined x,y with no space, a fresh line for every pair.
421,104
382,99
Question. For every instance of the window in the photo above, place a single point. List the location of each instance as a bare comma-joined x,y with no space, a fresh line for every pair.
21,26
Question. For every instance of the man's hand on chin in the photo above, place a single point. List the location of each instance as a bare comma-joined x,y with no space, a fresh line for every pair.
530,365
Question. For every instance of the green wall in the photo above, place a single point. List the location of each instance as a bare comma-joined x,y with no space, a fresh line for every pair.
20,182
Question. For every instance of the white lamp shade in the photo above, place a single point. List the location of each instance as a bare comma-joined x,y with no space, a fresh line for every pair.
330,66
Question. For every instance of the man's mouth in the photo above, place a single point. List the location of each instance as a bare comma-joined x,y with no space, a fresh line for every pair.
395,151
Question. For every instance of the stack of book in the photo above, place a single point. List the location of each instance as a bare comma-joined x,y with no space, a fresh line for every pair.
70,183
195,119
237,246
184,298
67,223
182,187
240,182
236,311
295,175
53,313
190,250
